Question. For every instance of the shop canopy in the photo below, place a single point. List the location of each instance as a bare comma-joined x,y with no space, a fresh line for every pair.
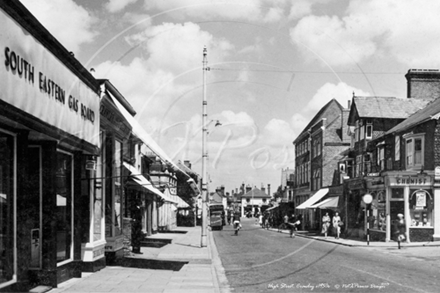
144,136
313,199
328,203
142,181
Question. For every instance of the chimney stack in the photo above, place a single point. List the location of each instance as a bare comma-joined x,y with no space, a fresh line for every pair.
268,189
423,83
187,164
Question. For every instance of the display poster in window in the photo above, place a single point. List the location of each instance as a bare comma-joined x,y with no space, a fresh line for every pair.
420,200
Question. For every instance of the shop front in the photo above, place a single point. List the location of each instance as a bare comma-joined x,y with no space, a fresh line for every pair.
411,195
49,130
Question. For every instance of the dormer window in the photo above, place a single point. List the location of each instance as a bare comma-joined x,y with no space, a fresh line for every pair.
414,154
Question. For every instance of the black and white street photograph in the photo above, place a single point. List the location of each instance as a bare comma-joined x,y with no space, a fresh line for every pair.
219,146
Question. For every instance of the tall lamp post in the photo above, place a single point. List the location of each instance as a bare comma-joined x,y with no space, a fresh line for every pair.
204,152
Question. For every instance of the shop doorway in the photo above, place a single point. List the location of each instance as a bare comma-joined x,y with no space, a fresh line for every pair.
396,207
64,207
34,199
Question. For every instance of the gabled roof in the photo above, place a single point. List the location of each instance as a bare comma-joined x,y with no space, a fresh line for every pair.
255,193
318,117
384,107
430,111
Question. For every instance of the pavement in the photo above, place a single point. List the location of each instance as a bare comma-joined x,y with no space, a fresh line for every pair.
180,266
183,265
358,243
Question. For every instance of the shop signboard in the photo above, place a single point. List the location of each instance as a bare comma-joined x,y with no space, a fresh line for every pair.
39,84
408,180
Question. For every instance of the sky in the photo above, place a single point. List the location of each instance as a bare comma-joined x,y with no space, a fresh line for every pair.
272,65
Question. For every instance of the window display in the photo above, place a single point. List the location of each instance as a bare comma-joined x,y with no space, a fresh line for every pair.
420,206
378,220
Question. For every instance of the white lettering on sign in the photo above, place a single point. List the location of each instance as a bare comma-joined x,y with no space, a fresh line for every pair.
37,82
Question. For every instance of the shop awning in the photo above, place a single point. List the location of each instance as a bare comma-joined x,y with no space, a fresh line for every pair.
144,136
328,203
313,199
142,181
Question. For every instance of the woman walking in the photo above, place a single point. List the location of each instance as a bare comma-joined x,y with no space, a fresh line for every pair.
337,224
325,224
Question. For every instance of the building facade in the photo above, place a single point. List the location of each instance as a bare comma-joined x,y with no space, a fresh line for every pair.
318,148
49,141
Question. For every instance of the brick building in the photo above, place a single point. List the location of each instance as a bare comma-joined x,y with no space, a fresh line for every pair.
318,149
396,164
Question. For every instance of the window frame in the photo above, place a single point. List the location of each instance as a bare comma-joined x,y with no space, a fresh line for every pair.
368,125
410,154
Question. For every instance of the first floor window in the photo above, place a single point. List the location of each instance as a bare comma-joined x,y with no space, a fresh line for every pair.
414,152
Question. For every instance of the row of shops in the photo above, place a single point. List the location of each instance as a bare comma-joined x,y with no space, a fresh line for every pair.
411,194
72,163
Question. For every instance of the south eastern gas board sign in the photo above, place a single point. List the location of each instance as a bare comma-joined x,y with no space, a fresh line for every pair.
35,81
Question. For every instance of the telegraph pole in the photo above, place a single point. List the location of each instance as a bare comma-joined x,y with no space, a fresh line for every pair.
204,152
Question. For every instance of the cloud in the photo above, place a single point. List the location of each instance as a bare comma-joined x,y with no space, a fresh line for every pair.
373,27
178,47
69,22
113,6
300,8
341,92
256,10
164,83
277,133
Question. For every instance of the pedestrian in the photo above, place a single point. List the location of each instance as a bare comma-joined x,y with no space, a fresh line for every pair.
260,217
400,229
294,223
325,224
284,224
237,224
336,221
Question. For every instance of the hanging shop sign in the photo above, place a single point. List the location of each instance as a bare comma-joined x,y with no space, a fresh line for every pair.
38,83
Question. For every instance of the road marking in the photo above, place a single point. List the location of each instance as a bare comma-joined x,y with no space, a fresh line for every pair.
278,259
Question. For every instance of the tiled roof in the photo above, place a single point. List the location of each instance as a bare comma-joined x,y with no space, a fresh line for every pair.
255,193
387,107
430,111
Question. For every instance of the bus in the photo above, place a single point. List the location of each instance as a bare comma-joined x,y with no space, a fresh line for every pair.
216,216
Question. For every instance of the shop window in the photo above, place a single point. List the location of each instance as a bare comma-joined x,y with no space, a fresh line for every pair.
64,210
378,212
114,195
420,207
414,152
99,194
7,210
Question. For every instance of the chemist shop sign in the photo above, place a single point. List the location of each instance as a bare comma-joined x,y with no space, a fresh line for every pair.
37,82
410,180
